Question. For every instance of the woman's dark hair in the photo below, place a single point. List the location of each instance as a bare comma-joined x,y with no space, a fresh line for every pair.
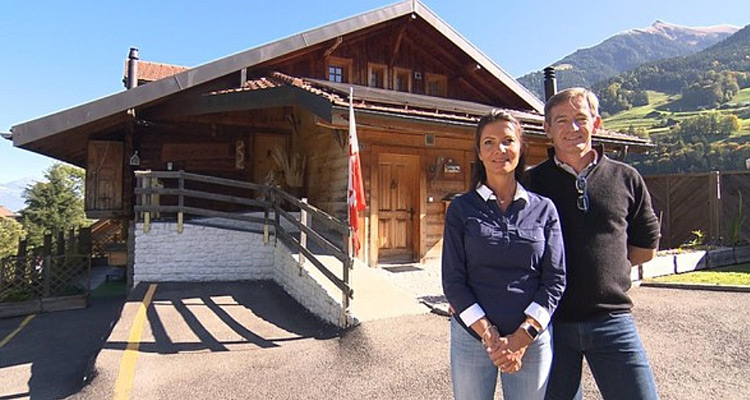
479,173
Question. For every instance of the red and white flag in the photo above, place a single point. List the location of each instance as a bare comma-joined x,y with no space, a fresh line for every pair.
356,191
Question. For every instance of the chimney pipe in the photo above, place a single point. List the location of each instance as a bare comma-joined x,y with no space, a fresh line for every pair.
132,68
550,83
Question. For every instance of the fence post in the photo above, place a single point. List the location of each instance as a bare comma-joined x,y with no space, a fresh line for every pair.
302,235
147,203
20,257
84,249
180,202
47,264
714,205
347,266
276,216
267,197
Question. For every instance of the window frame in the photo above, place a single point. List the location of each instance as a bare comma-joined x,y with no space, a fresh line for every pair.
346,68
408,73
383,69
442,82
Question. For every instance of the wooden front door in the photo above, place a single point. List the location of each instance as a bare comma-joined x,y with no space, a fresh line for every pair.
397,207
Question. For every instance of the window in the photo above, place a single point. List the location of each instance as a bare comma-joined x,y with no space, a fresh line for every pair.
335,73
338,69
377,74
436,85
401,79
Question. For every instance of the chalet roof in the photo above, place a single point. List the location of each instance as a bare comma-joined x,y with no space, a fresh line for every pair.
4,212
149,71
111,109
368,99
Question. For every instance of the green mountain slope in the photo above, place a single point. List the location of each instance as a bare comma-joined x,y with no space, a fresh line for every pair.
626,51
704,80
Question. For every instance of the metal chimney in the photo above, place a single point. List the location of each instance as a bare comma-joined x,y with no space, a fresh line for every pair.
132,68
550,83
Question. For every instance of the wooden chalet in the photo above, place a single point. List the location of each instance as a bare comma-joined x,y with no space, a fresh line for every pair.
419,89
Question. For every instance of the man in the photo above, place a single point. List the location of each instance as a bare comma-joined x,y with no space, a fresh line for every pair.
608,225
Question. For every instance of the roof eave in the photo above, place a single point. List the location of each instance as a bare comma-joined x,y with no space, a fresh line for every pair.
120,102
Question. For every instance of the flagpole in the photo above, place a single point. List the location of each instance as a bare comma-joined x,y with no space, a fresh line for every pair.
349,185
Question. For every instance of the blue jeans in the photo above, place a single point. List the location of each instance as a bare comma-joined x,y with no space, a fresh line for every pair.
475,377
614,354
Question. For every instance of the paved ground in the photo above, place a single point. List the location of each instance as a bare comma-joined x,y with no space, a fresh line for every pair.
51,356
217,343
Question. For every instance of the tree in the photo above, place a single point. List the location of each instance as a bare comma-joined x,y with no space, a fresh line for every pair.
10,233
55,205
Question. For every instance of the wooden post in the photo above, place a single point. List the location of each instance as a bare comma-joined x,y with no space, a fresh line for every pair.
302,235
84,241
128,175
668,213
70,245
84,249
349,264
22,260
714,206
180,202
147,202
266,196
60,248
276,216
47,266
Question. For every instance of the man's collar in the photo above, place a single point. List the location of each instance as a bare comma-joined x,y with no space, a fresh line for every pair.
598,150
487,194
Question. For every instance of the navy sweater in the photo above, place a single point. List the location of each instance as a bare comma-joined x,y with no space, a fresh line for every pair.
620,213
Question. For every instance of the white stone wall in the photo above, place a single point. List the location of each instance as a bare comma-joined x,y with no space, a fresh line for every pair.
203,253
200,253
305,289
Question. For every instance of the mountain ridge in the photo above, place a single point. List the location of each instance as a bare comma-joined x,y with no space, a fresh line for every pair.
627,50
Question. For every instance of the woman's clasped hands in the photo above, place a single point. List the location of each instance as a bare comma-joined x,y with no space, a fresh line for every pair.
504,352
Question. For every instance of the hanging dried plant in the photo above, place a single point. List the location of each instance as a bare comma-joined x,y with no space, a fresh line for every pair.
293,166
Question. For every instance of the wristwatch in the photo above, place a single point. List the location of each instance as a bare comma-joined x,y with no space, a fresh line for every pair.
530,330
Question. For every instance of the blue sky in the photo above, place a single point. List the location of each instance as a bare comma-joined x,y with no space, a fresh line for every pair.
58,54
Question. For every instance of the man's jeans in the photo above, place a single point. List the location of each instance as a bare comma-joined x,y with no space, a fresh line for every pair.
475,377
614,354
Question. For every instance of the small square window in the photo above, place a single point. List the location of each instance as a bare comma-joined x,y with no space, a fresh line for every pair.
335,73
338,69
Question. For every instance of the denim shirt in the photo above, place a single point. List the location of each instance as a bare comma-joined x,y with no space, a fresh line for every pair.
503,265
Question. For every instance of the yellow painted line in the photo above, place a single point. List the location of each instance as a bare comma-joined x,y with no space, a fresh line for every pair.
15,332
124,384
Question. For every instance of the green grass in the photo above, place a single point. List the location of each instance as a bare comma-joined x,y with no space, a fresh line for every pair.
636,117
111,288
733,275
743,96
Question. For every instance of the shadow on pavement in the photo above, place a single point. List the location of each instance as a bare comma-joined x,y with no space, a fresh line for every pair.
219,316
57,349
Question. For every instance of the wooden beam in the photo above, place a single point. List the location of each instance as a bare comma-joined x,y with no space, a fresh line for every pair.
397,46
333,48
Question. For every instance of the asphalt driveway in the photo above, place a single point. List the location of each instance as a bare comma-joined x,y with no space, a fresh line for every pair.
697,342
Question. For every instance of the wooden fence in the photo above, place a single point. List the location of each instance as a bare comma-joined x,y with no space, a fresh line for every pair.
60,267
714,203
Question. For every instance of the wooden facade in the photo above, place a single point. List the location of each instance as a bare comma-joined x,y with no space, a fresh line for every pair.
419,89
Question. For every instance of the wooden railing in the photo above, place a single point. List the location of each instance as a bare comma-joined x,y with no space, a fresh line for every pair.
183,196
